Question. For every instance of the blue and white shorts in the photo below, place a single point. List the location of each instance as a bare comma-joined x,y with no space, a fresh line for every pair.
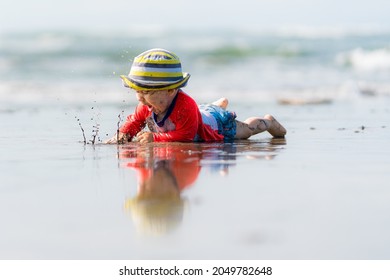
219,119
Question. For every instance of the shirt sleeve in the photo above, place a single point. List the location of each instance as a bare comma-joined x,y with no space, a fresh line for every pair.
185,118
135,122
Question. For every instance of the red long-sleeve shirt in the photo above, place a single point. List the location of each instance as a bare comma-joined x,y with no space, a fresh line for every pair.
184,124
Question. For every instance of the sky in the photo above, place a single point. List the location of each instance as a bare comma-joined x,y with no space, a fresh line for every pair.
27,15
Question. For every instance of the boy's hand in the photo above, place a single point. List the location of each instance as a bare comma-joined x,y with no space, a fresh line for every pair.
118,138
145,137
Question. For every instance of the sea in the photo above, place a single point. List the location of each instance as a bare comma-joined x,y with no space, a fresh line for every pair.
244,65
320,193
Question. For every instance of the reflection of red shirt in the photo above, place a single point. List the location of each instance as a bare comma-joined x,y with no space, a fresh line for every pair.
182,125
185,173
184,167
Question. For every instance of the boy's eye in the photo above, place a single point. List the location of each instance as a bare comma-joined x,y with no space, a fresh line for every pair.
145,92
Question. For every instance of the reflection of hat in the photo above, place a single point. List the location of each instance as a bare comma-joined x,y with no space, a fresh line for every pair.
156,69
156,216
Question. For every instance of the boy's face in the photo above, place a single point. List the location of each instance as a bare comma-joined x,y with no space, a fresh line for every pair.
158,101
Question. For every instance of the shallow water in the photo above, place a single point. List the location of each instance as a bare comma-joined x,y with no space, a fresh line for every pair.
322,193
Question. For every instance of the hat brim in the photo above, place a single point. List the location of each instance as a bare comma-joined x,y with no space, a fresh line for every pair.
130,83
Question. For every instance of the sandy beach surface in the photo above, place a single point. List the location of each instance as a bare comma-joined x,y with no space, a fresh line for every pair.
321,193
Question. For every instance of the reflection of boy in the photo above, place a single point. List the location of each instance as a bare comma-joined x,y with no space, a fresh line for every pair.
158,207
172,115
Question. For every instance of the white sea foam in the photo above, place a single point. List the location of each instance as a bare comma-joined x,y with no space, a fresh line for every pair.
366,60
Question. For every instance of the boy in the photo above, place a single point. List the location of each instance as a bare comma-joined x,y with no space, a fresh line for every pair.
171,115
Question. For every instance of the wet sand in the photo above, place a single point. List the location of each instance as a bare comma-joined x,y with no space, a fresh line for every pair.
321,193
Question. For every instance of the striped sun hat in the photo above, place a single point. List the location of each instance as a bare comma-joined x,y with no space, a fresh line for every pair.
156,69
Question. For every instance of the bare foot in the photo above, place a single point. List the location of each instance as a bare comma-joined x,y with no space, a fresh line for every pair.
275,129
222,102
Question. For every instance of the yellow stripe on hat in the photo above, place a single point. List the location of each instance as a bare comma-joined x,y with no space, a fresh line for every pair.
148,60
156,74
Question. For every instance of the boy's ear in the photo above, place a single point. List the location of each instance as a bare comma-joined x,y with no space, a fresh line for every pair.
172,91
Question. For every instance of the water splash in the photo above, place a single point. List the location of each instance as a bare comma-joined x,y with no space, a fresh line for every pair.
120,119
82,130
95,132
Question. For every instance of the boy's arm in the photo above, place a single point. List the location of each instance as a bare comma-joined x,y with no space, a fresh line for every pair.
135,122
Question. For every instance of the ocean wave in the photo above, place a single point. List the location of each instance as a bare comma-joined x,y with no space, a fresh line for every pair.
233,52
45,55
366,60
214,45
233,43
55,64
